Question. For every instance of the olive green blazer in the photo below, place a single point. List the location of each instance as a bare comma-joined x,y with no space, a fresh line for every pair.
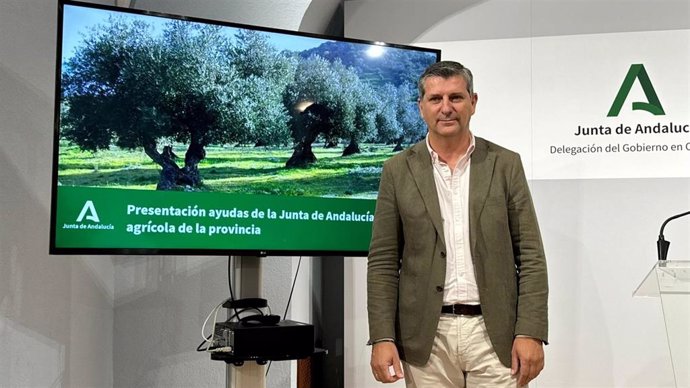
407,266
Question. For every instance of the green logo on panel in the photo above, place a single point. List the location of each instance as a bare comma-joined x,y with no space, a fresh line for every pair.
653,105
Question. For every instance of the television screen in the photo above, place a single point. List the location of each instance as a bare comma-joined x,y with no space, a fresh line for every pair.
177,135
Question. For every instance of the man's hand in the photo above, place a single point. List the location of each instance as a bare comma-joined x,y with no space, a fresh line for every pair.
528,359
384,355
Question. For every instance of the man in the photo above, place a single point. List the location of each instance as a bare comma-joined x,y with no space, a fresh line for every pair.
456,280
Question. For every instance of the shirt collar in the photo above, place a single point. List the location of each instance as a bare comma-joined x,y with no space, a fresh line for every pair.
434,155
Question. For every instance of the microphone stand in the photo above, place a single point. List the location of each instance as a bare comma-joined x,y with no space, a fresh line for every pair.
661,244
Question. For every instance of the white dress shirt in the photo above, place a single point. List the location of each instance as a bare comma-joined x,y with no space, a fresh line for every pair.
453,189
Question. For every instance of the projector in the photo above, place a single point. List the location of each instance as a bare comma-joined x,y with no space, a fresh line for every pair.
237,342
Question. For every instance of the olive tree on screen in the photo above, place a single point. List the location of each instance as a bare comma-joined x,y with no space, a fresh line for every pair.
131,87
265,73
328,100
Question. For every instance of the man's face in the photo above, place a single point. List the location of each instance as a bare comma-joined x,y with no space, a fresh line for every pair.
447,106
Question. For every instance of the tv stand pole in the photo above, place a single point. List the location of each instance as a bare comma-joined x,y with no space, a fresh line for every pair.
246,283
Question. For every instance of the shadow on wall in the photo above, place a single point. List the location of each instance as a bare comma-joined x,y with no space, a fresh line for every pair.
597,253
48,335
160,306
573,287
413,21
324,17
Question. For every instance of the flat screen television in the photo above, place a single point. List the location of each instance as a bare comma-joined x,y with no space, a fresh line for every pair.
179,135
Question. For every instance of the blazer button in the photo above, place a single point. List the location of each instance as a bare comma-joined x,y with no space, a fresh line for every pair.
443,254
439,288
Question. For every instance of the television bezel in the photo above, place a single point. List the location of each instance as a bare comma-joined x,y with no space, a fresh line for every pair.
54,250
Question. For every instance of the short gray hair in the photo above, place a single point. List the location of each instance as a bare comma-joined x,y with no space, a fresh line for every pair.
446,69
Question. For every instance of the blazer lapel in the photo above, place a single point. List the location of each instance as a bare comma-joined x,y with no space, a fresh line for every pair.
481,172
419,162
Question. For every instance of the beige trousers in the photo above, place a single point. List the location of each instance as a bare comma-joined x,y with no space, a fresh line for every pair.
462,356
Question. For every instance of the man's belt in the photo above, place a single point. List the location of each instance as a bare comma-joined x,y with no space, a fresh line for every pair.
462,309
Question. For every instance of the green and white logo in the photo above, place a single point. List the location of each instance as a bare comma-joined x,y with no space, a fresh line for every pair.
653,105
91,210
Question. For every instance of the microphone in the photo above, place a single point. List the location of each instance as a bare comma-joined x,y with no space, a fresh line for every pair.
661,244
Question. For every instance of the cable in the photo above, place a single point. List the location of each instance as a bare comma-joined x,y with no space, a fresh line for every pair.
209,339
203,327
294,280
293,287
245,309
231,272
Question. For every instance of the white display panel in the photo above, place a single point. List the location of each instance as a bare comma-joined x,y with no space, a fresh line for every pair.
576,80
549,98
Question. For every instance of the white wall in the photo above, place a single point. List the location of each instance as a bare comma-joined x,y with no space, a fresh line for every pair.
134,321
599,234
56,312
80,321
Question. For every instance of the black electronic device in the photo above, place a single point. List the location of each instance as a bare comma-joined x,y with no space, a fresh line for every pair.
246,303
260,319
237,342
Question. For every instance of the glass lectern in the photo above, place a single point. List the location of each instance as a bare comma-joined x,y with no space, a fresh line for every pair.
670,281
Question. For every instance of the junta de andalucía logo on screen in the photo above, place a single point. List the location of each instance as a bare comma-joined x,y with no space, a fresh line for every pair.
88,219
88,212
